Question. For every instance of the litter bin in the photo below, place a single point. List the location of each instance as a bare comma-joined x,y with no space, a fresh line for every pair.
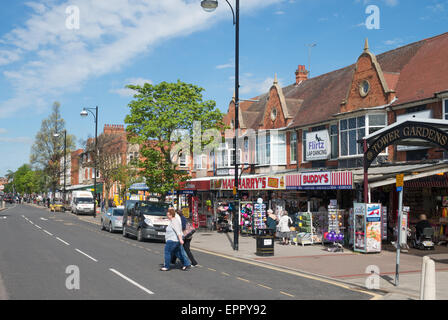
265,242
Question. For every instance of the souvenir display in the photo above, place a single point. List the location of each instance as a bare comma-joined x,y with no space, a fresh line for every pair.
246,213
259,216
223,217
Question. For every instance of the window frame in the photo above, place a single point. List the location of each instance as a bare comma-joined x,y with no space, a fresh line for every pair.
293,146
444,108
331,140
366,133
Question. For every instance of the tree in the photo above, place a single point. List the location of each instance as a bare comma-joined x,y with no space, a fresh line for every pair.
48,149
126,175
155,115
111,147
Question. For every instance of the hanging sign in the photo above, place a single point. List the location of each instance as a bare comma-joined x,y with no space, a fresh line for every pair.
317,145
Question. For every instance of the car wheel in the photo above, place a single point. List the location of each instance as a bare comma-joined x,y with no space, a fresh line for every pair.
124,232
139,235
110,227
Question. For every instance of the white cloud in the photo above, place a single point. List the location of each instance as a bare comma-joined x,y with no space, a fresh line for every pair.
26,140
225,66
253,87
390,3
111,34
126,92
393,42
280,12
3,130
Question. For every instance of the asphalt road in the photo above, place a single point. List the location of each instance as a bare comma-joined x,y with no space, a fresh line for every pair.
37,247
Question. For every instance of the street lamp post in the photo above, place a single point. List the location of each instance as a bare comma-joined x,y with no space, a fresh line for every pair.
65,160
95,116
209,6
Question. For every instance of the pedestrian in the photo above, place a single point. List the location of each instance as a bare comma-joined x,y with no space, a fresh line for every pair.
284,225
271,222
183,222
173,242
188,231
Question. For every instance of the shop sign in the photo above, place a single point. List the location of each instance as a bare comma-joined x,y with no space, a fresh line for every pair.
255,183
317,145
320,180
373,212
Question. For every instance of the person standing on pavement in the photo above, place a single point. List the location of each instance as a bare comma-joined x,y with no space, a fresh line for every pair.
284,223
173,242
271,222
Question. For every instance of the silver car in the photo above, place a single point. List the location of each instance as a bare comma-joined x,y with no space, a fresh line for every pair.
112,219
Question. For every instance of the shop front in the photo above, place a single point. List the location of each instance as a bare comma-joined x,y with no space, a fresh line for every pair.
195,200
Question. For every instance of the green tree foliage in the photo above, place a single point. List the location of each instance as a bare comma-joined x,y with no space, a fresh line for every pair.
155,113
48,149
25,180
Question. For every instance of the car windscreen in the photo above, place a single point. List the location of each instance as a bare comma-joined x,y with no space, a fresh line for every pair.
84,200
153,209
118,212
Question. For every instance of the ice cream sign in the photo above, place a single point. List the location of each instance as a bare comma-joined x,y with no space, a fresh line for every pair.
317,145
373,212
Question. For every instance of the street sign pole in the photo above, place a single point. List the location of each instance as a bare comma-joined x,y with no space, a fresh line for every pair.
399,185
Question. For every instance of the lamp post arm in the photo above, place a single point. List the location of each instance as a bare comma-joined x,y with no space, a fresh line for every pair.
233,12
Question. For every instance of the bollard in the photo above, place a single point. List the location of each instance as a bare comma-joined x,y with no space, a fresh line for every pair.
429,282
422,276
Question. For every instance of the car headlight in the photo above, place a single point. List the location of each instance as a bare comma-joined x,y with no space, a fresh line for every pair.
148,221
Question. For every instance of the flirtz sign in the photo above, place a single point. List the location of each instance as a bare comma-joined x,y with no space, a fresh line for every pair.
317,145
254,183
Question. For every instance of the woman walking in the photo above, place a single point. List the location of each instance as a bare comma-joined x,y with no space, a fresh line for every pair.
284,222
174,239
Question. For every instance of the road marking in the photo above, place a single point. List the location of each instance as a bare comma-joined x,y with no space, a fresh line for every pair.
38,226
245,280
226,274
288,271
43,219
286,294
211,269
63,241
48,232
30,221
131,281
86,255
263,286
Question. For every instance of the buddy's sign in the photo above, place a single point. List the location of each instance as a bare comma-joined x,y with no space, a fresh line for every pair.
254,183
409,129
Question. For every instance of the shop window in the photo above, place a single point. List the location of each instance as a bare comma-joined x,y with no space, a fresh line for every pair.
416,155
293,146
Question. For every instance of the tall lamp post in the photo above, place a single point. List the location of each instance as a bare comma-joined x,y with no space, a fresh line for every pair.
95,116
65,161
210,6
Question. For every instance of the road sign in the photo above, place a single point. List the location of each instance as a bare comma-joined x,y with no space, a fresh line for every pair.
400,182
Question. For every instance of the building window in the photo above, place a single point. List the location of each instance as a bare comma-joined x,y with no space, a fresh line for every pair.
445,109
293,146
304,132
200,162
334,141
183,160
278,147
376,122
351,130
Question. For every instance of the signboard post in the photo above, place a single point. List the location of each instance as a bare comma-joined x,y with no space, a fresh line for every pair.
399,185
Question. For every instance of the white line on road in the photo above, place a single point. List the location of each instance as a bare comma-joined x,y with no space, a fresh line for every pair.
44,219
131,281
86,255
48,232
63,241
38,226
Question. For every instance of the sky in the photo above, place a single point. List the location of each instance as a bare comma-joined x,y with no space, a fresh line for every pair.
82,53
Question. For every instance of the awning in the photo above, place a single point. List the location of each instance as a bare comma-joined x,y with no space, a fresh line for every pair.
386,175
88,187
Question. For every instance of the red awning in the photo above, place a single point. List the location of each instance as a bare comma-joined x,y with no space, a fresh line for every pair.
199,185
436,181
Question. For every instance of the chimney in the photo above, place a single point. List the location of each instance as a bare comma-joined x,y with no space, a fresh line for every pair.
301,74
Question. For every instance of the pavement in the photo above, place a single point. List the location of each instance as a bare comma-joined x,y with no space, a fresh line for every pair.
347,268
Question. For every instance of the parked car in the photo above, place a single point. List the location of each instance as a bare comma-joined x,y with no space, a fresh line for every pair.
145,220
112,219
57,206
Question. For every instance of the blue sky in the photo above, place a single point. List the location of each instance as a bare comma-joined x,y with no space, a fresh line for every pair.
132,41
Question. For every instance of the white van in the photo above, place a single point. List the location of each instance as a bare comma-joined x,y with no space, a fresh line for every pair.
82,202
